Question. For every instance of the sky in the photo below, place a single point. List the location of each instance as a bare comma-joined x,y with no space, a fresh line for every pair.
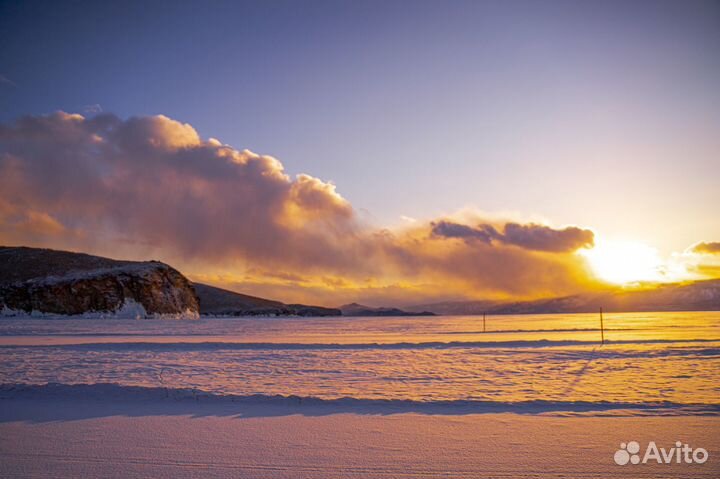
409,120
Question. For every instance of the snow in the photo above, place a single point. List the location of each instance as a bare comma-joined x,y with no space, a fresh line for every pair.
309,404
536,396
133,310
117,439
138,269
648,361
130,309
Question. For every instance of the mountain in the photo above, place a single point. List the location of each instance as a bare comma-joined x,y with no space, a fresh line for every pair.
355,309
696,296
221,302
46,282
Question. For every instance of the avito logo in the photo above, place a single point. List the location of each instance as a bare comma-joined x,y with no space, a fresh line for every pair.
680,454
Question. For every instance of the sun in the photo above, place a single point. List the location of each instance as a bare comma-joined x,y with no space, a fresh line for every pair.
625,262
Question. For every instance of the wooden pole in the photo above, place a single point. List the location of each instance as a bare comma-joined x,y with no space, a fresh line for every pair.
602,328
483,322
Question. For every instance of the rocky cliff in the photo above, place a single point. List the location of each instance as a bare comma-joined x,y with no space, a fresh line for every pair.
46,283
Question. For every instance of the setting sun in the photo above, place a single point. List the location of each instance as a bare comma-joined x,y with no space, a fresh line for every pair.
623,262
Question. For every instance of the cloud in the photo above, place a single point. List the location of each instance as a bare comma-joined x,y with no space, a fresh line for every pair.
92,109
7,81
155,180
151,187
448,229
17,225
531,236
706,248
544,238
701,260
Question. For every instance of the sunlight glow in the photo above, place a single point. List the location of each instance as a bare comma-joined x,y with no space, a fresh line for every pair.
624,262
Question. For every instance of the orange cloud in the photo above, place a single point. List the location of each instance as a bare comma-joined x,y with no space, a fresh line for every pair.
712,247
700,261
150,186
18,225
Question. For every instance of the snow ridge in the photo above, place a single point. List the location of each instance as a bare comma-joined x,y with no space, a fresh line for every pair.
117,392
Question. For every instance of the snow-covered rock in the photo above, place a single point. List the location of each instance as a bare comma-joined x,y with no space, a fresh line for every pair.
90,286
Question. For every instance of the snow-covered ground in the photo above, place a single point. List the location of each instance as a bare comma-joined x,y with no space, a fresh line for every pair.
534,396
116,439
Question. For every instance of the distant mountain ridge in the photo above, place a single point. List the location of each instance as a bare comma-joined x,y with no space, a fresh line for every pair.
222,302
50,282
355,309
696,296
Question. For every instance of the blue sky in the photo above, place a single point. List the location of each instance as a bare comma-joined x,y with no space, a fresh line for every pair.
602,114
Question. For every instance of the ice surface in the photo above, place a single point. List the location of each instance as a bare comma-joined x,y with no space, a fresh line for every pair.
663,358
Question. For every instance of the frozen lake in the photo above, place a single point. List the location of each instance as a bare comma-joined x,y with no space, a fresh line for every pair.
555,362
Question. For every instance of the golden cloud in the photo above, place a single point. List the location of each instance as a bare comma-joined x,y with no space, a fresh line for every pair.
150,186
